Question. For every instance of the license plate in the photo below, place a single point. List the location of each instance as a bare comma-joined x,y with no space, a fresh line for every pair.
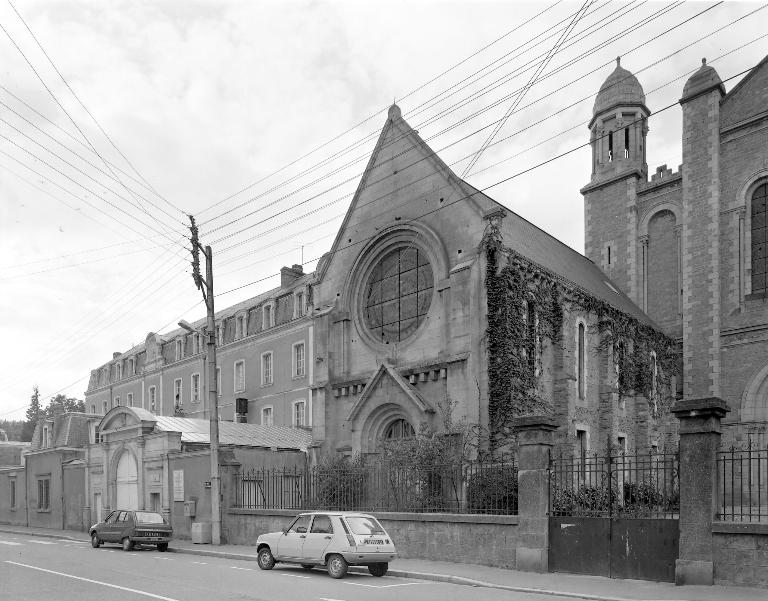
373,541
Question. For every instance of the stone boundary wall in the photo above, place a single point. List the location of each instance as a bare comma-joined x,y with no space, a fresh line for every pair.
490,540
741,553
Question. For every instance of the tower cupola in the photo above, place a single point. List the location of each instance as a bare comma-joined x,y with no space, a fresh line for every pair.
619,125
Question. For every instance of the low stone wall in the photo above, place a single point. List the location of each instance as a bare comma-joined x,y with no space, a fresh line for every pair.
482,539
740,553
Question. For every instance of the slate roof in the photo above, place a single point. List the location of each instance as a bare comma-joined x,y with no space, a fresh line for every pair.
569,265
232,433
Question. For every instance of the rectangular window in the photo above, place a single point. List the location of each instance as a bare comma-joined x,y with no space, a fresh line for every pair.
298,304
626,142
118,371
610,146
129,399
239,376
266,416
622,440
177,392
152,399
240,327
93,408
13,494
104,407
195,388
44,442
44,494
267,316
299,413
218,381
266,369
179,350
220,334
581,449
298,359
117,401
131,366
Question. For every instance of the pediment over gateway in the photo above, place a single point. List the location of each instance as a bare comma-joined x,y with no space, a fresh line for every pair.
121,418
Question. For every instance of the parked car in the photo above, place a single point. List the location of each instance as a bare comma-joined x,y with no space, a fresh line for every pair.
132,527
334,539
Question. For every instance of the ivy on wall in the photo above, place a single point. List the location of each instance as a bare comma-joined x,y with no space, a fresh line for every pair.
520,291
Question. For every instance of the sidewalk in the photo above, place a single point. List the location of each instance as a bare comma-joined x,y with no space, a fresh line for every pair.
565,585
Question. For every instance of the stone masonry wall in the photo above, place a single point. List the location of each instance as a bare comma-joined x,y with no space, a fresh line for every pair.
742,558
485,540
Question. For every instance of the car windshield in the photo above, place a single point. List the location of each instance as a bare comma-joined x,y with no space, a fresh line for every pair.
148,517
364,525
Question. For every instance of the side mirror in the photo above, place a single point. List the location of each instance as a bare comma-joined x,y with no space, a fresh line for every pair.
301,529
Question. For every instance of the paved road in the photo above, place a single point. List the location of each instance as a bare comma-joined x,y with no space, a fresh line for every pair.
33,569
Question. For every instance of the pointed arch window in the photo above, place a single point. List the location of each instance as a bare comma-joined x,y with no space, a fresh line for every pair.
399,429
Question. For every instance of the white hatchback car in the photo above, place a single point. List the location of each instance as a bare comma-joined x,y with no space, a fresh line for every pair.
335,539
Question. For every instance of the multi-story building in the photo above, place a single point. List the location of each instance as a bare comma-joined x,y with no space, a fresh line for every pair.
689,246
264,356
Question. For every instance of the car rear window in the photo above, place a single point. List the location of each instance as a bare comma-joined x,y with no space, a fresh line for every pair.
147,517
363,525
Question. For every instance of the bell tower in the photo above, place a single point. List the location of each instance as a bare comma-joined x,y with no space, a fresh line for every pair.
618,131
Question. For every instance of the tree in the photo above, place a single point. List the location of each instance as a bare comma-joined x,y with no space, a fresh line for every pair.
64,403
13,429
33,414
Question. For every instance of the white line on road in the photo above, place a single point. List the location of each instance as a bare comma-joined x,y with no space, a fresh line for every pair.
42,542
383,585
7,542
295,576
200,563
327,599
107,584
237,568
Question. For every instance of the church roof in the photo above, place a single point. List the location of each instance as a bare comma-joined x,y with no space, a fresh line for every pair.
621,88
703,80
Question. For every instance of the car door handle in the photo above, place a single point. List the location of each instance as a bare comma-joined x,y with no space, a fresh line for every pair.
328,537
303,536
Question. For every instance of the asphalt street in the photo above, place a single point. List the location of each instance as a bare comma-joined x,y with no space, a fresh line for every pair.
34,569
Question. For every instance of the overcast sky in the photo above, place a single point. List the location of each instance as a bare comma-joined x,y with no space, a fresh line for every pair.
258,118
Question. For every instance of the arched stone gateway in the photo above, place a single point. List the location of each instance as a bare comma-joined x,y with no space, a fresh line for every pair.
127,482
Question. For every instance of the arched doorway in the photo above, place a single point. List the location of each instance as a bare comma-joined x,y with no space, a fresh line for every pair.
127,482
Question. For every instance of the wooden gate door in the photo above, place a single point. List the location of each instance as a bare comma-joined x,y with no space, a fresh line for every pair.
615,516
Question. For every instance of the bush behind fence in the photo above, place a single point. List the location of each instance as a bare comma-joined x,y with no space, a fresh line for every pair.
743,484
473,487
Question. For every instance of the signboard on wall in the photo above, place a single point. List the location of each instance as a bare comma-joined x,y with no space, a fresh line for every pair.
178,485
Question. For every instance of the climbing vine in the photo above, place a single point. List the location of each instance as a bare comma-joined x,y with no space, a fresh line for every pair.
526,304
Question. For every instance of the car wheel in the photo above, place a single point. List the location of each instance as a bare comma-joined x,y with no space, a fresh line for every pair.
95,542
127,544
337,566
307,566
162,547
265,559
378,569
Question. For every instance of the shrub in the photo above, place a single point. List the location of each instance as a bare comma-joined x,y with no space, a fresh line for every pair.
339,483
492,489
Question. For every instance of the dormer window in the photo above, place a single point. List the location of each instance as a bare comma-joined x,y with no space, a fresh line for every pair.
241,327
196,343
131,366
179,349
298,304
220,334
44,443
268,315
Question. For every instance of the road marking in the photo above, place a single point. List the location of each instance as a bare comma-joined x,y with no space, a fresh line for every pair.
7,542
237,568
107,584
295,576
200,563
42,542
383,585
328,599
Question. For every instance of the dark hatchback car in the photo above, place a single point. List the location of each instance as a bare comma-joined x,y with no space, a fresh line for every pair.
130,528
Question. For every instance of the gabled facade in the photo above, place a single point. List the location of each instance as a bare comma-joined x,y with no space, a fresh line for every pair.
689,246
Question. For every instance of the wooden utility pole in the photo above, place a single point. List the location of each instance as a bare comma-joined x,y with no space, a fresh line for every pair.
206,287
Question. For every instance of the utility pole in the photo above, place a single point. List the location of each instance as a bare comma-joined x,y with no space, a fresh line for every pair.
206,287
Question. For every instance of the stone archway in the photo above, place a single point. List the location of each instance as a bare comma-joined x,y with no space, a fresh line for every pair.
127,482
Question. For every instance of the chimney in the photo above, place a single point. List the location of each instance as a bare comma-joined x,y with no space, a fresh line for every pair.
116,354
288,275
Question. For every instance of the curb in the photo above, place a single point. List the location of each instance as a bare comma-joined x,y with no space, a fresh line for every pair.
460,580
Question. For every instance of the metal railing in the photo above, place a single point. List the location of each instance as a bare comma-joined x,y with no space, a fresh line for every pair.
743,484
615,485
469,487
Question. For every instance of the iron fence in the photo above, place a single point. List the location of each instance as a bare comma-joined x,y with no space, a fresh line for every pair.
470,487
743,484
615,485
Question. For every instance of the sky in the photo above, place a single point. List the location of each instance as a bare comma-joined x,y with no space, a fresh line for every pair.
119,119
